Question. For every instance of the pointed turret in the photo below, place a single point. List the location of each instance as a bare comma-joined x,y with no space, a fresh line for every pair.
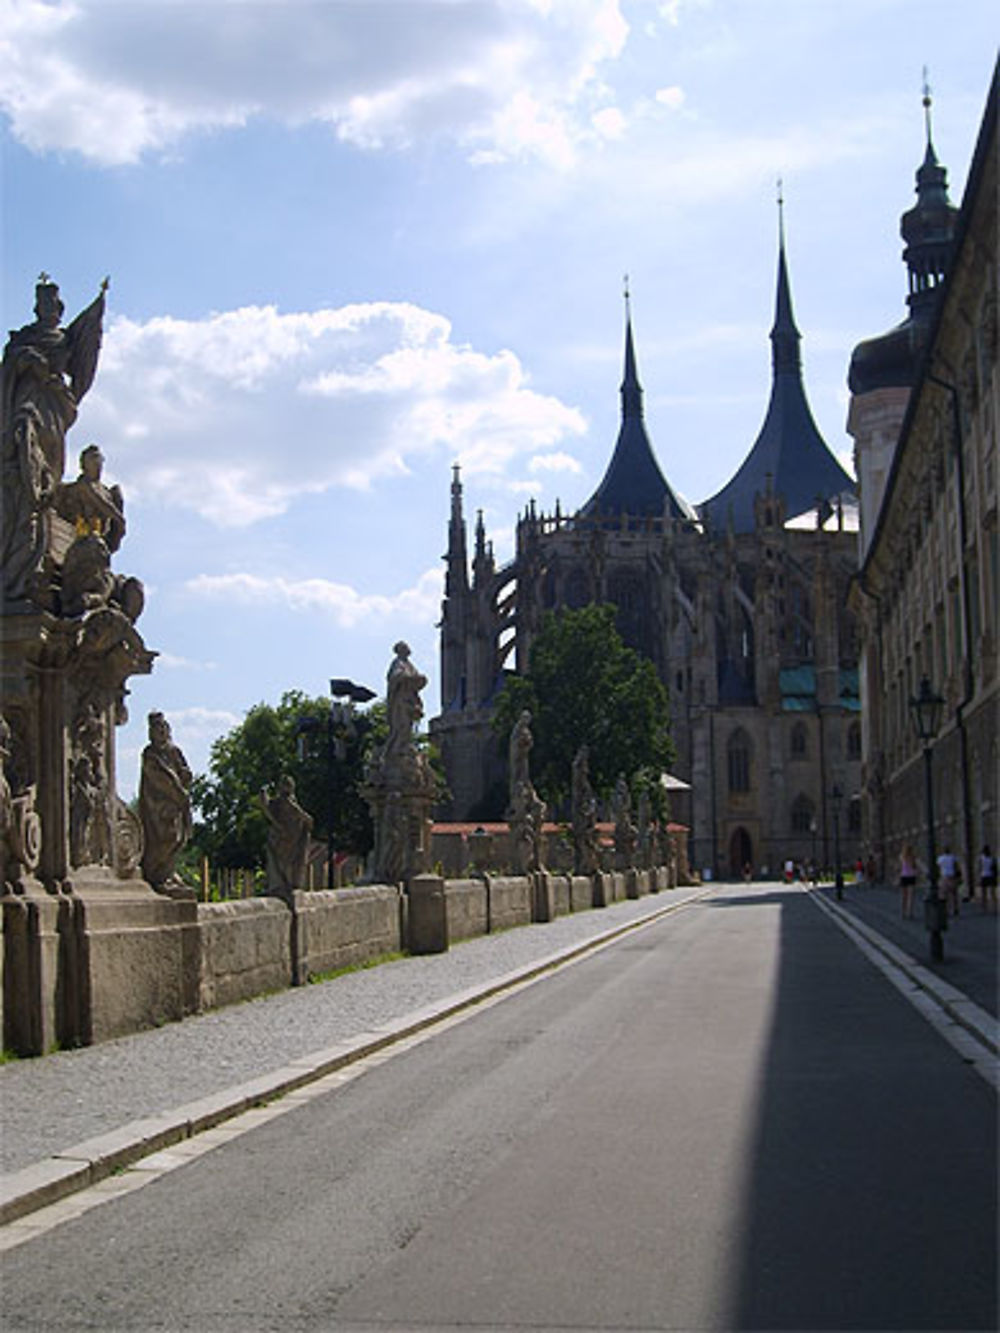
890,360
633,485
456,579
789,449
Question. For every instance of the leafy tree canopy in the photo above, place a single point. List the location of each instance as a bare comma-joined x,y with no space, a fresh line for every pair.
585,686
291,738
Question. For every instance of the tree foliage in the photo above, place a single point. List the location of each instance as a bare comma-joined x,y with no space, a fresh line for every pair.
585,686
230,827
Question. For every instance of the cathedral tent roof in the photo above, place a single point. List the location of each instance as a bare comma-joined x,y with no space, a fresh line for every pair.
633,484
789,456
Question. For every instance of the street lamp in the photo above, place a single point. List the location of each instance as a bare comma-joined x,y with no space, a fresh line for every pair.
926,709
813,828
836,797
340,727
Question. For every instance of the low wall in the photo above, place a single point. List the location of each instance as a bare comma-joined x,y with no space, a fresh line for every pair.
509,901
466,908
339,928
246,950
110,960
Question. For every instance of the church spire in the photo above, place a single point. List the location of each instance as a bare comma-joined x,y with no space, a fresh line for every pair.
633,485
631,389
789,457
928,227
785,336
457,572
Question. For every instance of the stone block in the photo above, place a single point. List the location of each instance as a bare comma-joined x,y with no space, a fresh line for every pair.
245,950
341,928
510,899
428,915
467,903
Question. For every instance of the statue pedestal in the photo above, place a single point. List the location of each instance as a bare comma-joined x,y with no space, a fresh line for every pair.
132,957
34,926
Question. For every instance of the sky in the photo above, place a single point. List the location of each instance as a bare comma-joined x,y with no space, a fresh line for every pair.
354,242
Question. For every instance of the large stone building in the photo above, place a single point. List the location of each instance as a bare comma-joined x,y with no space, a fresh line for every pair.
924,408
740,603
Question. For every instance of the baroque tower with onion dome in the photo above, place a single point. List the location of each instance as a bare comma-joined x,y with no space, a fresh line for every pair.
739,602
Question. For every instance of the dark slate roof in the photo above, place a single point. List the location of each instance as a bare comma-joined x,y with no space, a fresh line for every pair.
789,454
633,483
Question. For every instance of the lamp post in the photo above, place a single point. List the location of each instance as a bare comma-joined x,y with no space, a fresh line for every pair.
836,797
926,709
813,827
340,727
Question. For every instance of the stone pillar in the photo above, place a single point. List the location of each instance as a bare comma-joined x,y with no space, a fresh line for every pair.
428,915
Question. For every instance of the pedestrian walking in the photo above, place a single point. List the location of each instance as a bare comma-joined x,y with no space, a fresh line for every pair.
949,872
907,878
988,878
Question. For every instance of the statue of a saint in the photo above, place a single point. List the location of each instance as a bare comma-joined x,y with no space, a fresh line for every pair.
289,829
94,509
403,685
585,843
164,803
46,372
625,831
519,753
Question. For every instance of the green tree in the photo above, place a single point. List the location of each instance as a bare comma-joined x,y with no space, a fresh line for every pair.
230,828
585,686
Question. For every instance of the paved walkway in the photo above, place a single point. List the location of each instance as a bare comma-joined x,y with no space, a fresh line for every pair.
970,943
70,1118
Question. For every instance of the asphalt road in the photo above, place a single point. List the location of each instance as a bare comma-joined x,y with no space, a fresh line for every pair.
727,1120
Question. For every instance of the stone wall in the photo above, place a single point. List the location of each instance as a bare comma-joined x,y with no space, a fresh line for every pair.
78,970
246,950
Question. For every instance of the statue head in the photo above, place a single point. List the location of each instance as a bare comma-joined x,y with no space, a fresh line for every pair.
401,649
91,462
159,729
286,786
48,307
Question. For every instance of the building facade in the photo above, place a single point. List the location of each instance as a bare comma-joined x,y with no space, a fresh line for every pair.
924,414
741,603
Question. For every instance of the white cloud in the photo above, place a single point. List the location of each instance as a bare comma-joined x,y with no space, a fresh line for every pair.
341,603
672,97
115,81
557,462
236,415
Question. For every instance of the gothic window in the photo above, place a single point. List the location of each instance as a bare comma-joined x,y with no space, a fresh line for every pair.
802,815
854,815
738,758
577,589
631,609
800,741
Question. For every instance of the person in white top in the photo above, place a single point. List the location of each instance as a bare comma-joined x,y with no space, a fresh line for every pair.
948,870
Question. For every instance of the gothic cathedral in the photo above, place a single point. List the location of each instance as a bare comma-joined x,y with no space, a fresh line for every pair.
741,603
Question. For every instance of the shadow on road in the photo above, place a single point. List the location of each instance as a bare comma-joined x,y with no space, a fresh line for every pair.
871,1195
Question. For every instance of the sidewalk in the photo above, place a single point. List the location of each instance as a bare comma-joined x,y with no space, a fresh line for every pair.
71,1118
971,954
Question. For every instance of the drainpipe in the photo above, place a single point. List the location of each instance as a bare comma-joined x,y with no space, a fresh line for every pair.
969,680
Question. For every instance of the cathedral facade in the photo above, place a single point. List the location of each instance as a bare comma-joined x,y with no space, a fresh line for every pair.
740,602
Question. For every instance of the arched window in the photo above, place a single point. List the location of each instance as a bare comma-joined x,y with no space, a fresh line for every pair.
738,758
802,815
800,741
576,589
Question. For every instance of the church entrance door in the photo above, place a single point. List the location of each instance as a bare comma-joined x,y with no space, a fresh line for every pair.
740,853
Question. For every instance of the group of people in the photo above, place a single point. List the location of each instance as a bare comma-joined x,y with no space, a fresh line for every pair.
950,879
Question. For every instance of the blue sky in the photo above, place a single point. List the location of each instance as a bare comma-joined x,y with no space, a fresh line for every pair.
352,242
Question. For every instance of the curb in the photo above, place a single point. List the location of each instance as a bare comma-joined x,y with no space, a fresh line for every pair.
980,1037
85,1164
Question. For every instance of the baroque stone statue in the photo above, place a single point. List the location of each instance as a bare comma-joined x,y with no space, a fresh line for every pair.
625,831
526,811
46,372
289,829
399,785
164,804
586,854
